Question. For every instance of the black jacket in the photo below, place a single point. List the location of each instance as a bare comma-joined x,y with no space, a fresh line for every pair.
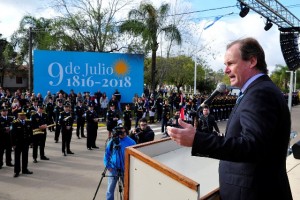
141,136
253,151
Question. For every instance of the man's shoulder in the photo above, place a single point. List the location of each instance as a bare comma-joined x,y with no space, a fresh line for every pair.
129,141
148,129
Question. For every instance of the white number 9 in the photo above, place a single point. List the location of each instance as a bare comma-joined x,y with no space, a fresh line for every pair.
59,75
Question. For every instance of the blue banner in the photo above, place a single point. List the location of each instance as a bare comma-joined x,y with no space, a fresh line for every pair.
88,72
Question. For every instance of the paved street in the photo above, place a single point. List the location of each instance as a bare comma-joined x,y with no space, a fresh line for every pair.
73,177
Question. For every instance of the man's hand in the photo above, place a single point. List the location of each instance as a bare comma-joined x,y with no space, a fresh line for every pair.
43,127
183,136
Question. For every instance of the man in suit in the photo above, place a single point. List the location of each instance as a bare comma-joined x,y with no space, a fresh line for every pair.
254,148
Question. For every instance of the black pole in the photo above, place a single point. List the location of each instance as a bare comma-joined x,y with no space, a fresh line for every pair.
30,72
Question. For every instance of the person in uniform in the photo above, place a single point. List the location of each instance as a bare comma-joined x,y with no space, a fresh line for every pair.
139,110
21,134
66,121
32,109
57,111
191,111
50,113
5,142
127,117
80,119
159,107
39,125
165,116
112,119
91,127
152,108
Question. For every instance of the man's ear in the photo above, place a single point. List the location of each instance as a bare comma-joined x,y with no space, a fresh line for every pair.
253,62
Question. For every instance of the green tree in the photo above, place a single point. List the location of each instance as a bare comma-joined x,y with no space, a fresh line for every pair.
9,60
181,71
280,77
3,44
40,34
148,22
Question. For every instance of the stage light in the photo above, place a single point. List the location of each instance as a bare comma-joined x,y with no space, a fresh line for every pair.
244,10
268,25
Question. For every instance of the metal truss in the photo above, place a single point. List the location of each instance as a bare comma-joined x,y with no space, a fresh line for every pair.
275,12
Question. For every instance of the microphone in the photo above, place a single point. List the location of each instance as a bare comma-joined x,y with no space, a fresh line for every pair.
221,87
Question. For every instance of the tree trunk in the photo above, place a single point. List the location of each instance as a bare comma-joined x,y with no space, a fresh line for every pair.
153,70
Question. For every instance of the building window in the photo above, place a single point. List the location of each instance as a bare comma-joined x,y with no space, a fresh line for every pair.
19,80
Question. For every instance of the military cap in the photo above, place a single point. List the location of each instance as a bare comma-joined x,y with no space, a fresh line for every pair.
41,107
67,104
22,112
3,109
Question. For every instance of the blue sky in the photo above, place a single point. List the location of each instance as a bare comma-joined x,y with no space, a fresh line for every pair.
226,29
197,5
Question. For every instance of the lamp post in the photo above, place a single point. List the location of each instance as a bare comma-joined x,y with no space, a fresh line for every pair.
295,82
195,76
291,89
30,72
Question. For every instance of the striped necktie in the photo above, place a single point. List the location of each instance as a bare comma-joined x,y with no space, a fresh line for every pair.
239,98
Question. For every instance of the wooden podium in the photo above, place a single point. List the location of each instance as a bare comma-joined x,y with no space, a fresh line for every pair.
164,170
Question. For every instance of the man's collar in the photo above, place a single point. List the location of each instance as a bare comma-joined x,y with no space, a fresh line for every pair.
250,80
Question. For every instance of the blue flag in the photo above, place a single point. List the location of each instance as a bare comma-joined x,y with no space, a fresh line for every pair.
213,22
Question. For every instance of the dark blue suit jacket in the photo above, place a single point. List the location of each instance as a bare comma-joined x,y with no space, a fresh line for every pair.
253,151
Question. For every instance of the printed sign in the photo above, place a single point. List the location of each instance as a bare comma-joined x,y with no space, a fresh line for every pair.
88,72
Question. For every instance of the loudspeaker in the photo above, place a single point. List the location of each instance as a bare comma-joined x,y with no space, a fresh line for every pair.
296,150
290,49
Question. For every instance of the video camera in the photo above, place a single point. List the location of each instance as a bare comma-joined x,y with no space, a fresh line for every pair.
118,130
135,135
174,122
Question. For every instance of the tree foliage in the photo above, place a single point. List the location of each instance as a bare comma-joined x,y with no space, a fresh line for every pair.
281,78
41,35
149,23
9,60
179,71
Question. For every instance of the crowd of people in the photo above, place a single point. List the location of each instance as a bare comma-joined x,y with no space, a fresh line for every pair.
26,117
57,112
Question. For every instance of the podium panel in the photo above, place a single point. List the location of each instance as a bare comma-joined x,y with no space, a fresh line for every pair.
164,170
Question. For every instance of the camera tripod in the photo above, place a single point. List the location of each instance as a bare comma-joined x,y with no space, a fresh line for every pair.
118,174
